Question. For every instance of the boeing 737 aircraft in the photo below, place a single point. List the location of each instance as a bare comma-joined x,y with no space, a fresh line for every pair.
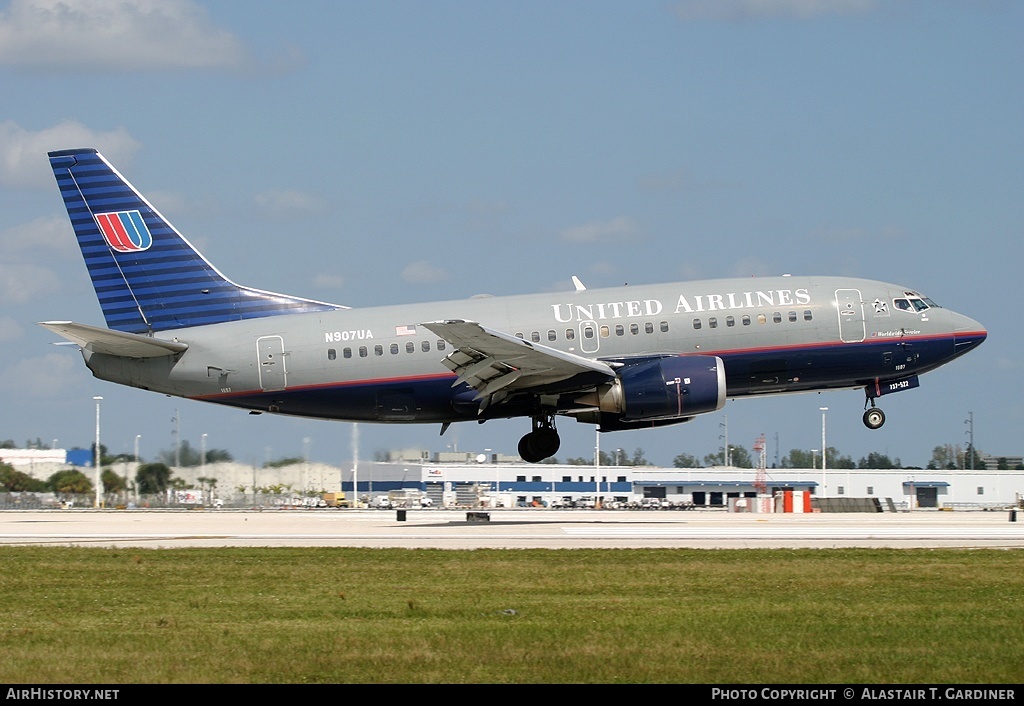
623,358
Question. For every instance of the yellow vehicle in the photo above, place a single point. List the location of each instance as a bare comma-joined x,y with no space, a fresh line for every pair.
335,500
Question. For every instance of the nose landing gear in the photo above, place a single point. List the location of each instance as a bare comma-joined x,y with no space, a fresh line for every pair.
542,442
873,417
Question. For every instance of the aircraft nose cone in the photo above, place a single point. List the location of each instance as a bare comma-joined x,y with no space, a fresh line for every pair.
967,333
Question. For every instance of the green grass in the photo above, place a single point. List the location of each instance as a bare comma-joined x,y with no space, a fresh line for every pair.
122,616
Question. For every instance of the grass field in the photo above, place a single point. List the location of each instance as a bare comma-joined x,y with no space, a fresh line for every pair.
121,616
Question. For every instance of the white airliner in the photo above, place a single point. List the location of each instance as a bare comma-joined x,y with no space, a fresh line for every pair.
622,358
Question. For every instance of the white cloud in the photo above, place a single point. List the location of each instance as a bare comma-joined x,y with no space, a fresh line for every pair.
19,284
50,376
422,272
739,10
10,330
23,162
51,233
120,35
617,229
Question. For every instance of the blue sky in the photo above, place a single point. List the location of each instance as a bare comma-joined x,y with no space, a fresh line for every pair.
386,152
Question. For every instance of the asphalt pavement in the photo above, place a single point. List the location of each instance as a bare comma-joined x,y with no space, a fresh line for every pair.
508,529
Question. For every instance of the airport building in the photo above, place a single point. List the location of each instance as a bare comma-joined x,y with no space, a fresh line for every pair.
490,480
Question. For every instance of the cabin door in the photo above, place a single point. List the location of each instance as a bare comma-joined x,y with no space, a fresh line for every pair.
851,315
270,357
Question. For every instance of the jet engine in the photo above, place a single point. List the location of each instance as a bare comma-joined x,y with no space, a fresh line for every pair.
673,389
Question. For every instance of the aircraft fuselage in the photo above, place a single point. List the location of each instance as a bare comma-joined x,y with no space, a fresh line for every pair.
775,335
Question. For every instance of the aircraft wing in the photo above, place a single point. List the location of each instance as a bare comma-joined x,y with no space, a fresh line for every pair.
497,364
107,342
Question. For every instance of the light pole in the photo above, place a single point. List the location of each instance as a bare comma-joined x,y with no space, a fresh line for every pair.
137,437
202,468
96,454
305,463
824,453
970,435
725,437
355,466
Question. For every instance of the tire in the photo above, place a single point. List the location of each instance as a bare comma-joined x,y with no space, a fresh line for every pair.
874,418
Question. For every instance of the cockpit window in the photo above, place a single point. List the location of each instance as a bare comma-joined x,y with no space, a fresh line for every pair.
913,302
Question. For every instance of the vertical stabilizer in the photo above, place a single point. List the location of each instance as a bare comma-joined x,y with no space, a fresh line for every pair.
147,276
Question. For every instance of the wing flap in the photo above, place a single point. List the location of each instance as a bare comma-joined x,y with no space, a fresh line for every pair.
497,364
118,343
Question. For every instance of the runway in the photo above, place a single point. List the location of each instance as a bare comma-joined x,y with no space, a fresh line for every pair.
507,529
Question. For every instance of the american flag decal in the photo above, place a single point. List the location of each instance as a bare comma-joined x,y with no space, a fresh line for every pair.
125,231
405,330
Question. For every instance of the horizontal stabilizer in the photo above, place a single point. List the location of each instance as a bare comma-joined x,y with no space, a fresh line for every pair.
107,342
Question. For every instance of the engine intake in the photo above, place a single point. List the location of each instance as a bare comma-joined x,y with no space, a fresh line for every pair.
675,388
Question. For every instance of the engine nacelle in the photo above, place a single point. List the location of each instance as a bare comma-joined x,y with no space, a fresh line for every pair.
671,388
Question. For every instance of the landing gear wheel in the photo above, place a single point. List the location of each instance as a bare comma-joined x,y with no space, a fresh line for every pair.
524,450
874,418
544,442
539,444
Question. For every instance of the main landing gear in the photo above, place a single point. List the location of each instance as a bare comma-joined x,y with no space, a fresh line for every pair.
873,417
542,442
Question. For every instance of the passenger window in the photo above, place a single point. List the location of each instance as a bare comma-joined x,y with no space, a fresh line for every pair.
619,330
746,320
605,332
552,336
394,349
410,347
362,351
331,354
730,321
634,329
535,336
425,346
570,334
777,317
378,349
664,327
588,332
762,319
440,344
792,316
519,334
807,314
648,327
697,324
347,353
713,322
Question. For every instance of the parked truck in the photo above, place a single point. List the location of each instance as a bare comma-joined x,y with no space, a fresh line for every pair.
335,500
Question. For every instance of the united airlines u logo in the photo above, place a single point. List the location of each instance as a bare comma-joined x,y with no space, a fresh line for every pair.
125,231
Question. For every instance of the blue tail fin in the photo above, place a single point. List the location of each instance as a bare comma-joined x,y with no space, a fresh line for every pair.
146,275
